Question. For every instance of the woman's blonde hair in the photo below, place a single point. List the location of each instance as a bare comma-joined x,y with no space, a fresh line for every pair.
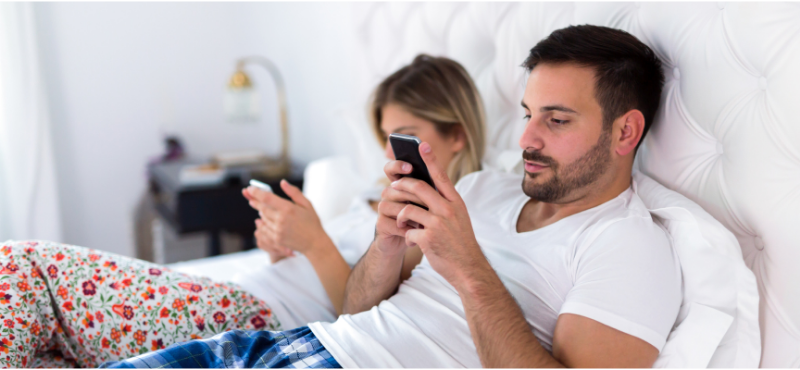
441,91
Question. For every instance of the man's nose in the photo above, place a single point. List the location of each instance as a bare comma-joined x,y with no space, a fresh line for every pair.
531,136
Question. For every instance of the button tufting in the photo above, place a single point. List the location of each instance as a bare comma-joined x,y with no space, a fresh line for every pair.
676,73
762,83
759,243
720,148
721,5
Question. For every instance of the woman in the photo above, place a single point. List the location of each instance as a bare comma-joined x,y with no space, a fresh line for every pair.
433,99
62,305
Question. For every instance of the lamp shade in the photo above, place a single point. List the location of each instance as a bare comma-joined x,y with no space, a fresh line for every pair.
242,104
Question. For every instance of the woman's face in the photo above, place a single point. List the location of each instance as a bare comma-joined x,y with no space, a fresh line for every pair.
396,120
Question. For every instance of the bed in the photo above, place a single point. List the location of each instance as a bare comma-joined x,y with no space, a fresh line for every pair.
727,136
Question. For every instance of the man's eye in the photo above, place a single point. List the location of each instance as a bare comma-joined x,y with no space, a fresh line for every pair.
559,121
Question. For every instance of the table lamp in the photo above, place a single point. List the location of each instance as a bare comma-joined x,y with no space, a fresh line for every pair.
242,105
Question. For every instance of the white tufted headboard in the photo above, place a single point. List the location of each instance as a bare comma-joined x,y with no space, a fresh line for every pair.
727,135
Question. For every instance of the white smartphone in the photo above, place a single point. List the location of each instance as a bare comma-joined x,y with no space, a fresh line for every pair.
261,185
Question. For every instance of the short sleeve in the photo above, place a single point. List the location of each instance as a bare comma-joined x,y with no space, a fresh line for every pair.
628,278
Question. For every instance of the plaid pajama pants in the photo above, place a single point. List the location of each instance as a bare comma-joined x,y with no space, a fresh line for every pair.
296,348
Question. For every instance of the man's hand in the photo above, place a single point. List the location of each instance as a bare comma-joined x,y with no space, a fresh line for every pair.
445,236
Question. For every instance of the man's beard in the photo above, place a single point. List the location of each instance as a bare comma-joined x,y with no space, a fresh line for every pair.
574,176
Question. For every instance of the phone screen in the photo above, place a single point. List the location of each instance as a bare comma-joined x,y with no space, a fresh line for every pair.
406,149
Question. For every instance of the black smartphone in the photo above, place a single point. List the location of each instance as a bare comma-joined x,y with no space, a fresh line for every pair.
406,149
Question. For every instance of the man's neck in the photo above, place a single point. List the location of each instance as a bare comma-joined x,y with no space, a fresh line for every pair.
536,214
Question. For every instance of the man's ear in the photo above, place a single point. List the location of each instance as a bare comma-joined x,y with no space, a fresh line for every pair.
629,128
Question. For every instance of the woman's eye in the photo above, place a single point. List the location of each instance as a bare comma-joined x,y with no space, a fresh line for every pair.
527,117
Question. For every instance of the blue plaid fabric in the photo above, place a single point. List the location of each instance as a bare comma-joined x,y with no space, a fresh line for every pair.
297,348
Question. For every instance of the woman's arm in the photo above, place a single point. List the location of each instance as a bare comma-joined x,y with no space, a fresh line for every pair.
331,268
296,227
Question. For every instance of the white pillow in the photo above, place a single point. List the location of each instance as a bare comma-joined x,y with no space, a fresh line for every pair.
717,324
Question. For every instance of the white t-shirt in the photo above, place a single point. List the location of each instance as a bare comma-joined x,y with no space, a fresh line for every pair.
291,286
611,263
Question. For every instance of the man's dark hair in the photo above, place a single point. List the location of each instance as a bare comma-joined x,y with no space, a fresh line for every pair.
628,72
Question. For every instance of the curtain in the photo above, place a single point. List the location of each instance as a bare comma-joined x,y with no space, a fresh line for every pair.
29,206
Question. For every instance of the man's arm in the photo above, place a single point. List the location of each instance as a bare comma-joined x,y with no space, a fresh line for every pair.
503,337
499,330
374,278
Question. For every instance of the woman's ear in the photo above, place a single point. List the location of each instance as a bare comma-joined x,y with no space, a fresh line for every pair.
459,138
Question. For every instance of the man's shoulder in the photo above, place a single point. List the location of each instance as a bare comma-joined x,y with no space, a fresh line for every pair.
489,187
628,225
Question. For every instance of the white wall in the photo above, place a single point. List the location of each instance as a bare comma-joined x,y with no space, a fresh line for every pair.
121,75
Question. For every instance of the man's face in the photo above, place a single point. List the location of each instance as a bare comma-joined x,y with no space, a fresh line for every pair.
566,150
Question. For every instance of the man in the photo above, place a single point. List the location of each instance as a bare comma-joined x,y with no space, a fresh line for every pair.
571,271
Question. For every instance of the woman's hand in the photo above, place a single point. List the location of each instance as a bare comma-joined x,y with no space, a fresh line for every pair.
276,252
286,225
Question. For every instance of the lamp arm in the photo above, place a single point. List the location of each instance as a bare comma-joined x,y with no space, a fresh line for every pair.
281,91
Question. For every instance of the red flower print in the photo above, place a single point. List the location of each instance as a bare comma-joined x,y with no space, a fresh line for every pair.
126,328
123,310
149,294
89,288
178,304
23,286
11,266
106,343
88,321
191,286
4,345
93,257
52,270
225,302
115,285
219,317
59,256
9,323
5,299
192,298
127,282
111,264
193,312
68,306
154,272
36,273
164,312
140,337
5,286
157,344
127,312
35,329
258,322
200,322
163,290
115,335
62,292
